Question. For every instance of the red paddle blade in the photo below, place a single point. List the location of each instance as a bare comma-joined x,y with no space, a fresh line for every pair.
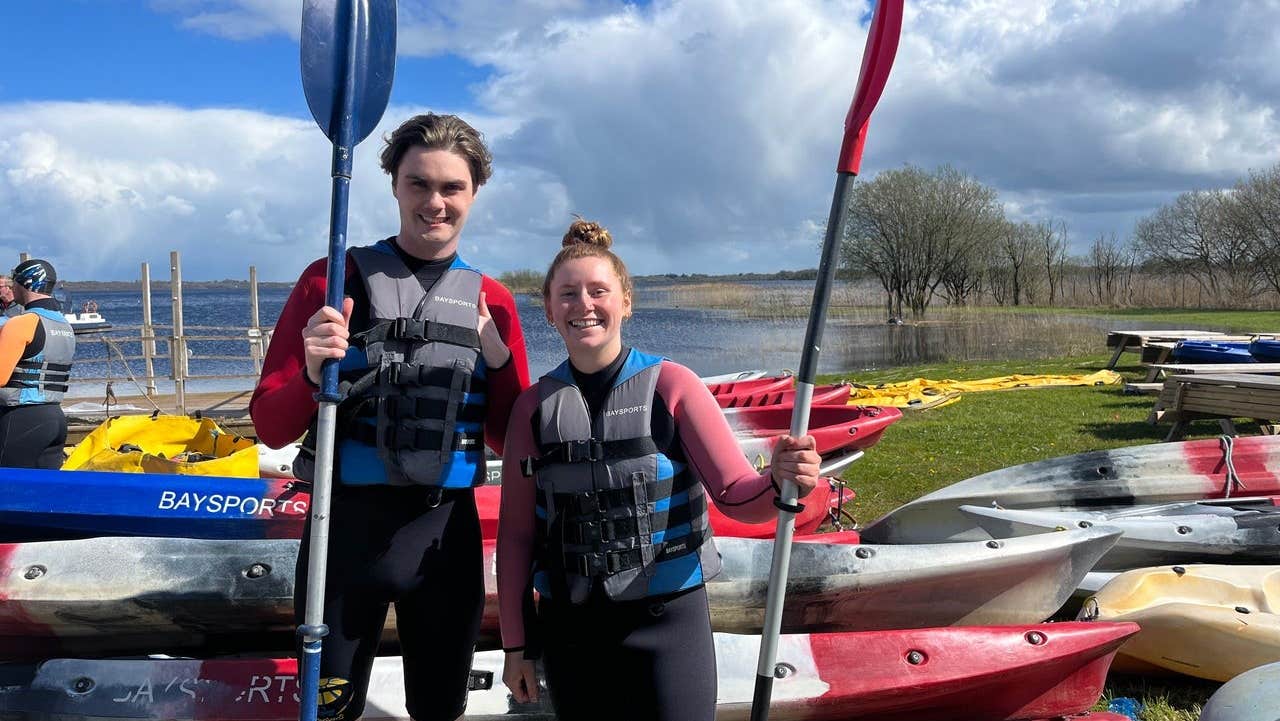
877,59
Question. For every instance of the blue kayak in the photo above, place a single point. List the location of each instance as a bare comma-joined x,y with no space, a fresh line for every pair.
1205,351
1265,350
43,505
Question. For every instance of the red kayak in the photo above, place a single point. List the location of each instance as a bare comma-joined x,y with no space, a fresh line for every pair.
818,507
755,385
991,673
834,395
836,428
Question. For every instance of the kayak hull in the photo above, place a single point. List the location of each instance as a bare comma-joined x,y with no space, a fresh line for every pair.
1100,480
1248,697
113,596
974,673
822,396
1156,535
1210,621
835,428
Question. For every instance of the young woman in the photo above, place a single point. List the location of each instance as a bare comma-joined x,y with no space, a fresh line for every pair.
610,462
431,358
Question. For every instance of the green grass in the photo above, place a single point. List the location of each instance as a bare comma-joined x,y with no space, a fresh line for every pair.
930,449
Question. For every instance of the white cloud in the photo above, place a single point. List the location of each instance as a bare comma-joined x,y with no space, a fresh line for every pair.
704,132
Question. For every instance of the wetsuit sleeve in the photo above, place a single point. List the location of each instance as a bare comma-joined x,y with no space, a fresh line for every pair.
15,334
507,382
516,523
283,403
714,457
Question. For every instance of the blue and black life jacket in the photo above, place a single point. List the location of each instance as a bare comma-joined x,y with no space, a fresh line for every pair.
414,383
44,377
612,508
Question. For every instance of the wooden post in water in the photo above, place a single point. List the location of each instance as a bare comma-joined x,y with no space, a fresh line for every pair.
177,346
148,332
255,332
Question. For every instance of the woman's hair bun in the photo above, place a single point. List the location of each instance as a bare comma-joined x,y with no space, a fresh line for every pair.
587,233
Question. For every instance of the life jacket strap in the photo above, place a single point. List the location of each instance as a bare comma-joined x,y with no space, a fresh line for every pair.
588,451
399,407
420,331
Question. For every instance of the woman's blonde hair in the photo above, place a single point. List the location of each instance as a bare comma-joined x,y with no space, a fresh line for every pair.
587,239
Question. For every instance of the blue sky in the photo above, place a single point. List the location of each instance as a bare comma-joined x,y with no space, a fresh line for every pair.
128,50
702,132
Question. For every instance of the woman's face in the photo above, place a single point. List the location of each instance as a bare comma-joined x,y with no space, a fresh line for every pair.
433,189
587,306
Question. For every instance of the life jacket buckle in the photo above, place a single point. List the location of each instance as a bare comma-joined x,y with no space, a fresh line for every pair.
526,466
586,450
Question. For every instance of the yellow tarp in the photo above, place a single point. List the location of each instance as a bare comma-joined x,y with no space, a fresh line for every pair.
924,393
165,444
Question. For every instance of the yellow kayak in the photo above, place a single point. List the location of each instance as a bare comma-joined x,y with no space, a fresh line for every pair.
921,393
1210,621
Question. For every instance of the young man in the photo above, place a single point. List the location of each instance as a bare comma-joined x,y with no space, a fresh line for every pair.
36,350
432,358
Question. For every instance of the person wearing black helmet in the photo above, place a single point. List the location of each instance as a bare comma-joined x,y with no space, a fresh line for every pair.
36,349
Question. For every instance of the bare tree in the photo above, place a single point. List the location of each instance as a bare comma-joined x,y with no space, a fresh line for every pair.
911,228
1107,260
1257,214
1051,246
1196,235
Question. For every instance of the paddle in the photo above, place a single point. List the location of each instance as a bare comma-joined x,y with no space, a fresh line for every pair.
877,58
348,60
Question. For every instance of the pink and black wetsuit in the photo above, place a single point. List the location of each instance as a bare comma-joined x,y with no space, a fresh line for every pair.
661,643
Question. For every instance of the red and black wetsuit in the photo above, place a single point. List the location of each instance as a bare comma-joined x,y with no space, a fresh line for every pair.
390,544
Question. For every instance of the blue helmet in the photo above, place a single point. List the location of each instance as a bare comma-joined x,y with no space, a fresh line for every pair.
35,274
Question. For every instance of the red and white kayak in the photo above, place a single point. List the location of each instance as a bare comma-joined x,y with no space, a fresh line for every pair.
754,385
837,429
940,674
822,504
834,395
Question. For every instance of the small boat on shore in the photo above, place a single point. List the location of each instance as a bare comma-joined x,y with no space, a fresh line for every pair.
115,596
1099,480
1210,621
822,396
1231,531
1252,695
940,674
1205,351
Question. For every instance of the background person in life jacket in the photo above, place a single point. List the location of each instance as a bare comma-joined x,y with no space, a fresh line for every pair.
611,461
36,350
403,522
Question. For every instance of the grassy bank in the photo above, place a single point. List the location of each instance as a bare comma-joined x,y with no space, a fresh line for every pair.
985,431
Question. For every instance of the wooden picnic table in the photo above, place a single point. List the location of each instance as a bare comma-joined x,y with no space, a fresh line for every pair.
1220,396
1138,340
1156,371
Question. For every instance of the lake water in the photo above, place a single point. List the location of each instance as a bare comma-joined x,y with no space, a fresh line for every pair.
708,341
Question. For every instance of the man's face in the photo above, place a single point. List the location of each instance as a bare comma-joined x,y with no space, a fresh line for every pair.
6,290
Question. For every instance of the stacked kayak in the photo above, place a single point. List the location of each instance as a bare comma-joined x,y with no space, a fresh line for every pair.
1265,350
1210,621
1245,530
755,385
1205,351
44,505
1252,695
1101,480
951,674
832,395
836,429
116,596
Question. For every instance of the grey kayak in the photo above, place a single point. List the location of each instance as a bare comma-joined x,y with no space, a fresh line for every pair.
113,596
1099,480
1252,696
1155,535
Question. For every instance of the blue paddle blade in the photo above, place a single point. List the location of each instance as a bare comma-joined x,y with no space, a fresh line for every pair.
348,47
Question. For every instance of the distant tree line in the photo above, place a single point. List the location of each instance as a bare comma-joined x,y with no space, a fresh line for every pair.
943,236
